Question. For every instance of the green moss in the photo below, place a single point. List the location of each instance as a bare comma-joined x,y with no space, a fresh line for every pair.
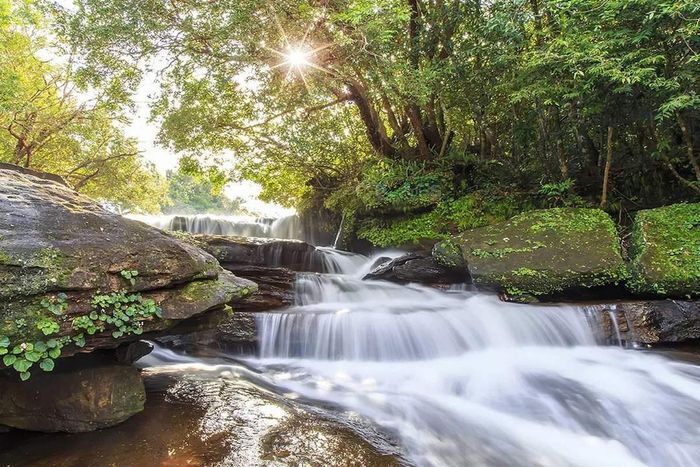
545,252
447,253
665,251
448,218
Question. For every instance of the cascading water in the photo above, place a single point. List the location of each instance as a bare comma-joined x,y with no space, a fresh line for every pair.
464,379
288,227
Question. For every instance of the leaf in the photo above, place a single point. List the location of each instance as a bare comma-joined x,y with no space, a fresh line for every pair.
40,346
33,356
55,353
25,375
52,343
9,360
21,365
4,341
46,364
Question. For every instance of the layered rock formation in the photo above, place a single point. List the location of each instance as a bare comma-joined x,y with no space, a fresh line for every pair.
75,277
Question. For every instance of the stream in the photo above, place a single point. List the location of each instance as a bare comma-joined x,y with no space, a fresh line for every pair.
374,373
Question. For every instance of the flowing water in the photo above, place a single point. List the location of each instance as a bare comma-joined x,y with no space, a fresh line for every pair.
460,378
288,227
451,377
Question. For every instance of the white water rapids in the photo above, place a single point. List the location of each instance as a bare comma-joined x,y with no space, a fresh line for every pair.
462,379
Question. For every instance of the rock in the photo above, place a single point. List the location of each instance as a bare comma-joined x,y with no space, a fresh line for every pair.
76,398
290,254
545,253
61,253
199,296
53,239
665,251
130,352
416,268
379,262
213,418
448,254
654,322
214,332
275,287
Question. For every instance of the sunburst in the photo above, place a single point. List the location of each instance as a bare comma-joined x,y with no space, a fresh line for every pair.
299,57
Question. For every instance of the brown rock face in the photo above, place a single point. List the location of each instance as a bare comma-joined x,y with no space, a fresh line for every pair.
52,238
290,254
417,268
654,321
77,399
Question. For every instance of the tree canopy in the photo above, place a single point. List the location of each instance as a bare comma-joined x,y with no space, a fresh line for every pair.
48,122
305,94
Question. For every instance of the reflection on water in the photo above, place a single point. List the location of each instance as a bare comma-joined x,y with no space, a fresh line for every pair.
205,416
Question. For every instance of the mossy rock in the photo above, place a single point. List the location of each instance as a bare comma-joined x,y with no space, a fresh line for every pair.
665,251
545,252
448,254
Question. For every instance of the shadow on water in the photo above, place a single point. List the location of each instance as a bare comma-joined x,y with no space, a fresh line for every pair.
208,415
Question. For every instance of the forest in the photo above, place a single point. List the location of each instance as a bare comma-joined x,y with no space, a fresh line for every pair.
350,233
412,118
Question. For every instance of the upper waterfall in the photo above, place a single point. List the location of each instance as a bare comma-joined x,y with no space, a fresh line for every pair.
288,227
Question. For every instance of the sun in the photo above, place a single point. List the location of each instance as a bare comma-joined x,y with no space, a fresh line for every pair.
297,58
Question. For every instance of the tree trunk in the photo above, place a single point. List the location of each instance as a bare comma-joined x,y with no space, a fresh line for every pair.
606,172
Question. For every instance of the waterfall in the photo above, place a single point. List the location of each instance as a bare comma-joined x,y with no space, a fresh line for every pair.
464,379
288,227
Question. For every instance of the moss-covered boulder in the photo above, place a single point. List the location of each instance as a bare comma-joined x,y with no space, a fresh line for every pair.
75,277
665,251
545,253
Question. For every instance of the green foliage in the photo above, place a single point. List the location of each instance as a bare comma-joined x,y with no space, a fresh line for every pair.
130,276
501,94
47,124
121,312
193,189
402,187
56,305
560,194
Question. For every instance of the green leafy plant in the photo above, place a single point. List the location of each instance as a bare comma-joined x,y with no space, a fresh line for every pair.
121,312
23,356
56,305
130,275
47,325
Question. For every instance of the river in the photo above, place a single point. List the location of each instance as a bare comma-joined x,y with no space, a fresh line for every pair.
406,374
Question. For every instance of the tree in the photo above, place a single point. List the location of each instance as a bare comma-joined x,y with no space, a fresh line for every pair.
46,123
509,93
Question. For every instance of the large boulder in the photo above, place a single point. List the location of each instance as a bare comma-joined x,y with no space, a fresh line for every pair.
80,397
665,251
545,253
76,277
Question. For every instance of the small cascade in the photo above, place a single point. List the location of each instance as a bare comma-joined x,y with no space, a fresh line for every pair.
288,227
384,326
339,235
465,379
615,326
337,261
